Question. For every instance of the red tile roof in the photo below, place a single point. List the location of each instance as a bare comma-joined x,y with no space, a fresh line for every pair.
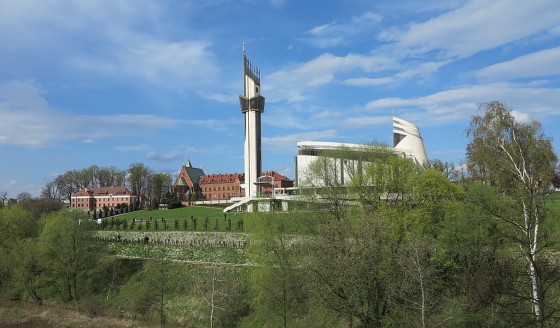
100,191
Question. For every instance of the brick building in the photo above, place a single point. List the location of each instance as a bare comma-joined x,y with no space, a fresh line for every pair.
97,198
226,186
192,181
221,186
281,182
187,183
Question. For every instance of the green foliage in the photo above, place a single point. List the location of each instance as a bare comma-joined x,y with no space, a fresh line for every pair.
29,275
278,280
68,252
17,225
518,161
433,199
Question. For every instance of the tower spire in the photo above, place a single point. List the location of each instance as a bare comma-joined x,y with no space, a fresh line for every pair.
252,106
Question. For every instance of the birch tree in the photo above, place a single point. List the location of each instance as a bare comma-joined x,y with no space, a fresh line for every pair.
518,160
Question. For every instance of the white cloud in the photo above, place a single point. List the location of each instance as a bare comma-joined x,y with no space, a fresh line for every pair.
132,148
124,41
180,65
168,156
367,121
478,25
217,125
287,143
369,82
407,72
521,117
340,32
293,83
28,120
462,102
538,64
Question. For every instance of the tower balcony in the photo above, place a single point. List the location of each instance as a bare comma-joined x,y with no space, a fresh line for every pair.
251,104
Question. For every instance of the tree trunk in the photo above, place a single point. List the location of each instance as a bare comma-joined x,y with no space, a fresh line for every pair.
531,259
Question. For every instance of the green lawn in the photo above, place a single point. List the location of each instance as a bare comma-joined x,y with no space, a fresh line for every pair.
189,218
197,218
176,213
553,219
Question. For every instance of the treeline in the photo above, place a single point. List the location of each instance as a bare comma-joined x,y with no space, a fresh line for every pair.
390,246
152,188
399,247
45,257
57,259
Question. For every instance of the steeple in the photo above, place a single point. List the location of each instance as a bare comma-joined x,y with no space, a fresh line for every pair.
252,106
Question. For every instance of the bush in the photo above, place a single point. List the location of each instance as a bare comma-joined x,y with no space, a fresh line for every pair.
174,204
91,306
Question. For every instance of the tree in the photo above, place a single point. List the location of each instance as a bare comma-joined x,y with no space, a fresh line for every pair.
24,197
50,191
355,269
335,171
372,255
29,277
67,184
386,181
518,160
110,177
16,224
69,252
434,198
161,183
278,279
139,178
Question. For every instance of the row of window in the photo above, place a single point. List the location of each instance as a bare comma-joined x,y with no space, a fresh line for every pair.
221,195
221,188
102,199
98,205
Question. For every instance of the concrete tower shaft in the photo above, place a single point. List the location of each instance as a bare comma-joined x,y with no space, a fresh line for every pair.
252,105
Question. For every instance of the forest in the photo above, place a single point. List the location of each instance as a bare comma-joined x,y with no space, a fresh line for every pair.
396,246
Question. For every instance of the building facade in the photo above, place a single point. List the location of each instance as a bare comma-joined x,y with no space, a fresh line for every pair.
186,185
407,143
274,183
100,197
226,186
222,186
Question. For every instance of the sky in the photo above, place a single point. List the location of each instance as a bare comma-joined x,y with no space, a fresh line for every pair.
112,83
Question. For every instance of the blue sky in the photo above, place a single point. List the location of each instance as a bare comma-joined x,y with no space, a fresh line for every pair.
117,82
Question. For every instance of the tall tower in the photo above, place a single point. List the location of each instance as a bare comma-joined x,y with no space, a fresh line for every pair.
252,105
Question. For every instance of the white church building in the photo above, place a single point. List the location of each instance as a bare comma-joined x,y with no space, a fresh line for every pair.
407,143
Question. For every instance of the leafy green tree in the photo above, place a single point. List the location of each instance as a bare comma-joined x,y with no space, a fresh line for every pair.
68,252
518,160
354,269
385,181
278,280
29,273
16,224
434,198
